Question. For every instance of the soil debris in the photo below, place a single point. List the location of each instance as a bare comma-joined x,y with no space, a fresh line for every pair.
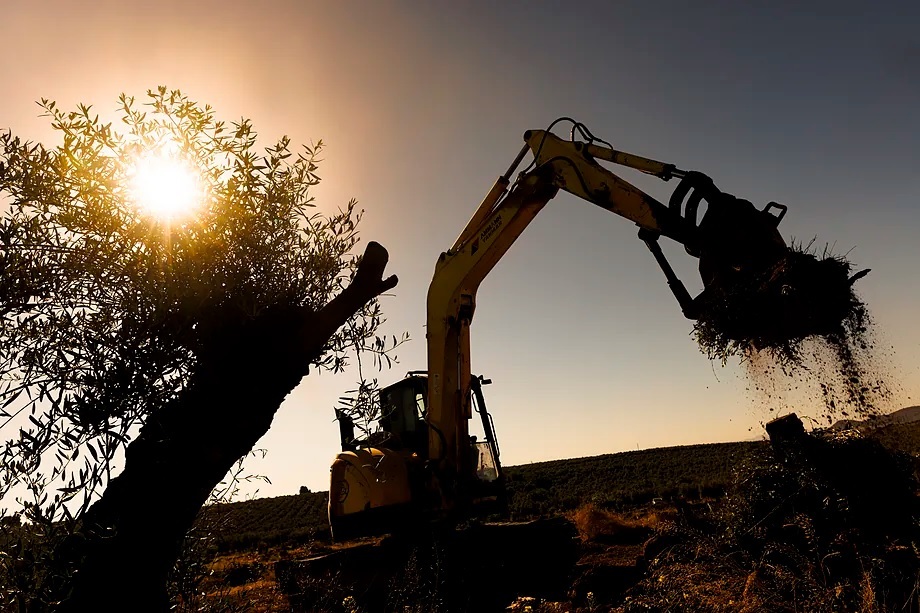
775,311
802,320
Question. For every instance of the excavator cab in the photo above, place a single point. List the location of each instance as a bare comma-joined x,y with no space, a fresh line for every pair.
403,406
373,479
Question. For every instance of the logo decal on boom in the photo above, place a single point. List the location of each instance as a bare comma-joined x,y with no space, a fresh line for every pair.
487,233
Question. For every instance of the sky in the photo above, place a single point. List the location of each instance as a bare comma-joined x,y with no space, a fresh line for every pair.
422,105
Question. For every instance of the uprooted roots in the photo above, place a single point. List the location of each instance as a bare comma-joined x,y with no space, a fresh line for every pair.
800,297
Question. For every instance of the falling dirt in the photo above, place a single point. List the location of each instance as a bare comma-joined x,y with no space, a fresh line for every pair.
832,379
803,336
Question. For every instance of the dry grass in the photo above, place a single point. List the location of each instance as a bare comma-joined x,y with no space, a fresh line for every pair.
700,587
262,596
226,562
245,582
594,523
869,599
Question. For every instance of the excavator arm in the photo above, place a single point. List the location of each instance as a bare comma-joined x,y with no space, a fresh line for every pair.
572,166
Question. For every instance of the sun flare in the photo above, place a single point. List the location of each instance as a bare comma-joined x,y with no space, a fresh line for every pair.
165,186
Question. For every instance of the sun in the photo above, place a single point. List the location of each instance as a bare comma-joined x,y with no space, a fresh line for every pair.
165,186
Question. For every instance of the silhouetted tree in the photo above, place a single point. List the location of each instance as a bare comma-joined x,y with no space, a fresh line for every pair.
172,341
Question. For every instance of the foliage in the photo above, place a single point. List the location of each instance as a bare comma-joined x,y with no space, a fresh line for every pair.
798,296
29,568
361,408
595,523
106,310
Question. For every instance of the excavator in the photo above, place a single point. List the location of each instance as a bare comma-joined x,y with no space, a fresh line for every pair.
422,461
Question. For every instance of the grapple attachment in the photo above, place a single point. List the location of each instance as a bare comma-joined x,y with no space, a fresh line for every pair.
757,292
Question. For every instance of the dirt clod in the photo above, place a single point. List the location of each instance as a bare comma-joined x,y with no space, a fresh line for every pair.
800,297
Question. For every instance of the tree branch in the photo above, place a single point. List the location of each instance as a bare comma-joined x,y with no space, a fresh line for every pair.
367,284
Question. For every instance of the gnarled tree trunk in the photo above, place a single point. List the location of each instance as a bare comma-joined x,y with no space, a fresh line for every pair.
135,531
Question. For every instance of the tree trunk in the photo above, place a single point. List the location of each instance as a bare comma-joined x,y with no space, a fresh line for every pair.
135,530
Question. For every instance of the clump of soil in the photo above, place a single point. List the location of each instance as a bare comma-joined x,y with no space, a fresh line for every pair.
799,297
802,319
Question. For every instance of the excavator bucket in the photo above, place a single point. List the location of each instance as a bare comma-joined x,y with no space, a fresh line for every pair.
758,292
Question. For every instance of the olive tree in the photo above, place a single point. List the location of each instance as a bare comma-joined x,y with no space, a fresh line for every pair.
162,345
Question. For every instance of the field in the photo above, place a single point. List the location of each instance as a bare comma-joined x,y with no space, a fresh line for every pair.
613,481
706,527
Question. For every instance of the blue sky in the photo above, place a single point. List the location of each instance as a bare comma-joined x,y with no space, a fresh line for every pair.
422,105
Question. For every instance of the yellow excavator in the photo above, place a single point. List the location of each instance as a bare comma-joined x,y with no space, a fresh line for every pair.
423,462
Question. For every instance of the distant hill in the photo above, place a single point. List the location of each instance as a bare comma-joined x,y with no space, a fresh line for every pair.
902,416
